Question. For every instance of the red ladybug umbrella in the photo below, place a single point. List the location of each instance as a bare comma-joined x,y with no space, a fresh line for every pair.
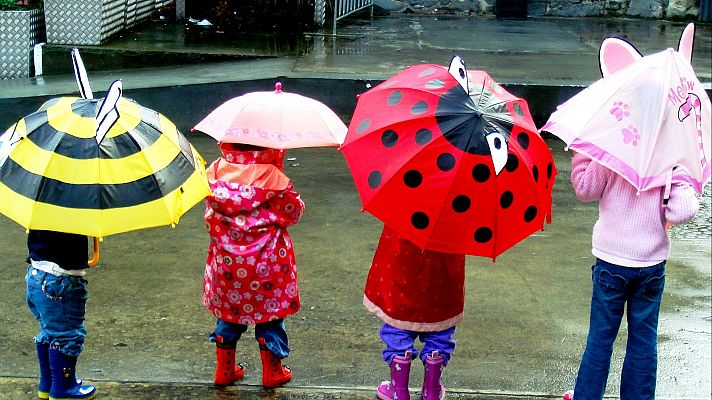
451,160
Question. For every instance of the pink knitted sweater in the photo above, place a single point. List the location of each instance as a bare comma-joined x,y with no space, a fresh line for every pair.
630,230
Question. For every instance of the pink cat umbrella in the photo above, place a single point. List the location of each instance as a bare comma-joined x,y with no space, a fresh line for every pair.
648,118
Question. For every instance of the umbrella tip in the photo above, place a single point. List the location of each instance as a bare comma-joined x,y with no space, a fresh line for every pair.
278,87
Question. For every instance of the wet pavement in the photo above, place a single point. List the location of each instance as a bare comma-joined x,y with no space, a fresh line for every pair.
526,315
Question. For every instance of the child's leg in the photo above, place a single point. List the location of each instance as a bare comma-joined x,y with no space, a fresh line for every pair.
608,298
641,356
225,335
59,304
436,353
274,346
41,340
275,338
398,342
399,352
440,341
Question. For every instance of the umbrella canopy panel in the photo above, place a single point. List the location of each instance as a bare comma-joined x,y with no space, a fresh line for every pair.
144,173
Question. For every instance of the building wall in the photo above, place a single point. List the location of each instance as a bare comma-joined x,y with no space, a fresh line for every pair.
657,9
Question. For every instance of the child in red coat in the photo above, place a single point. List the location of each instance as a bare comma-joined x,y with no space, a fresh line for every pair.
250,273
418,294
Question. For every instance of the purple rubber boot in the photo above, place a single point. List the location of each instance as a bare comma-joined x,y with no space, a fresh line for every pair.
397,387
433,388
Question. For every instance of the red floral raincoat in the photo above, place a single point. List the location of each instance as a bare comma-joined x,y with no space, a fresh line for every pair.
250,273
412,289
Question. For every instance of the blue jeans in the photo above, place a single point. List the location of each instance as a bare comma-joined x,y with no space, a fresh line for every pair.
398,341
59,304
613,287
273,332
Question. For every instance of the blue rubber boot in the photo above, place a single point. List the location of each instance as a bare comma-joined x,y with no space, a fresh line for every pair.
45,371
64,381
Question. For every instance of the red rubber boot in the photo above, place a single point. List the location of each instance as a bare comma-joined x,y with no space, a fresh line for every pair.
273,373
226,371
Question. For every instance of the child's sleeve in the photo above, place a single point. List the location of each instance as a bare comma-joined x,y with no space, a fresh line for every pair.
682,205
288,206
588,177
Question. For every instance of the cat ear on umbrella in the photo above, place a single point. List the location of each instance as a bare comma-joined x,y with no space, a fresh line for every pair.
686,41
616,54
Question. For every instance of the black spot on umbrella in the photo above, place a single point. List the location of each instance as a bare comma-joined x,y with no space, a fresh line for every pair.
419,108
413,178
427,72
466,119
361,128
518,110
483,235
530,213
535,173
423,136
446,161
549,170
506,199
374,179
395,97
461,203
512,163
435,84
523,140
389,138
481,173
420,220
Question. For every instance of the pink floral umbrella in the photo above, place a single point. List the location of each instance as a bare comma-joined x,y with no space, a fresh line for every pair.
278,120
644,119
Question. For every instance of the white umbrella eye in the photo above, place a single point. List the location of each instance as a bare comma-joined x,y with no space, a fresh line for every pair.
498,150
458,70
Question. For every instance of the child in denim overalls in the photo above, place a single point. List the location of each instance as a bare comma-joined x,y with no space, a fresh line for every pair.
631,245
250,273
57,296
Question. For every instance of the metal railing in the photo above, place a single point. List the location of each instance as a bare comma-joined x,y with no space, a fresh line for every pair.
342,9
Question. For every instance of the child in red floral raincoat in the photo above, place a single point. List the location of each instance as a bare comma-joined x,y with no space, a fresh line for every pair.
419,294
250,273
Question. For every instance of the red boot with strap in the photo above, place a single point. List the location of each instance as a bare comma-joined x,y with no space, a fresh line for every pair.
273,373
227,371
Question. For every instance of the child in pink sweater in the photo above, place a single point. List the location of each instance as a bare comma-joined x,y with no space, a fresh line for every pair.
631,245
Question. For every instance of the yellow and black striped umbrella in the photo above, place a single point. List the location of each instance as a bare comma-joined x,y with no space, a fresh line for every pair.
59,175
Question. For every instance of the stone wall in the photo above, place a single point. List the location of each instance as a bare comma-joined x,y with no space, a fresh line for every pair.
655,9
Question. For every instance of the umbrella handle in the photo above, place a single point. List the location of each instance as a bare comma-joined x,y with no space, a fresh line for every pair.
95,257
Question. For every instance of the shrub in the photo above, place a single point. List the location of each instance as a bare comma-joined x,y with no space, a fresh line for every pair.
20,4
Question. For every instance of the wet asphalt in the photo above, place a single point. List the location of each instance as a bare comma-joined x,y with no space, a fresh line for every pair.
526,315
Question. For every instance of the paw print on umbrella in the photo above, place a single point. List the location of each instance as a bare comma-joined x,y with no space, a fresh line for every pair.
620,110
451,160
630,135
